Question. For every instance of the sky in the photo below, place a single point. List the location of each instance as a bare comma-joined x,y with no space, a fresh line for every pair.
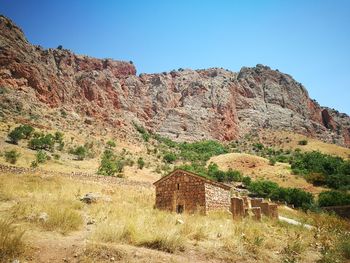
309,40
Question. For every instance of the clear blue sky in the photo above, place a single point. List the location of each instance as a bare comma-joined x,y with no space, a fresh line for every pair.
309,40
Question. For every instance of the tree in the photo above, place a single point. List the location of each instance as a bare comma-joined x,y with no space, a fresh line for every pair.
110,164
20,132
27,131
80,152
41,141
15,135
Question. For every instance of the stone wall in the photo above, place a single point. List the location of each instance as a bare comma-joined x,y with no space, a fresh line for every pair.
216,198
181,189
343,211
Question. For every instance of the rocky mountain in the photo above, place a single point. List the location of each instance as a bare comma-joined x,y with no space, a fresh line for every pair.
183,105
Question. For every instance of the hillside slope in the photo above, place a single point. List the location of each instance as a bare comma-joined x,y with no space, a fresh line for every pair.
184,105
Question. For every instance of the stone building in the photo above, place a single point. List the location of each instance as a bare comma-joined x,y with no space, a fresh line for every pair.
182,191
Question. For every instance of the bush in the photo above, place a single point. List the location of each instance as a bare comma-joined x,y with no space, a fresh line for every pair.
333,198
15,136
80,152
269,189
323,169
34,164
234,176
303,142
20,132
201,151
41,157
110,164
246,180
272,161
140,163
42,142
144,133
58,136
169,157
11,156
111,144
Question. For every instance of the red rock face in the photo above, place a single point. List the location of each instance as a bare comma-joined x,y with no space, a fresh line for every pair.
183,105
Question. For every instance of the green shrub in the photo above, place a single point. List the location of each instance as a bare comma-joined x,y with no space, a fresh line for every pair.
111,144
42,142
246,180
58,136
334,170
15,136
41,157
333,198
269,189
272,161
303,142
234,176
80,152
11,156
201,151
34,164
110,164
169,157
56,156
20,132
144,133
258,146
140,163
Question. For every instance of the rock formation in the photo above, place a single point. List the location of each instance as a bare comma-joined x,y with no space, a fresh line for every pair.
183,105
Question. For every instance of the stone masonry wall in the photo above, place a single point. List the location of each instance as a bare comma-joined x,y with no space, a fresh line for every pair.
216,198
181,189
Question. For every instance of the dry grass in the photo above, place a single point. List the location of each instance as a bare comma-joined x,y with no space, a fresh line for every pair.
11,243
130,220
259,168
34,195
288,140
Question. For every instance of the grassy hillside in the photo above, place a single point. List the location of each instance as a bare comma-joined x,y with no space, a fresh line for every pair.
123,226
288,140
259,168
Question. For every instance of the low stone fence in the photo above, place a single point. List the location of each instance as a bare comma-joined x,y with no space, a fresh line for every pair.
254,207
74,175
342,211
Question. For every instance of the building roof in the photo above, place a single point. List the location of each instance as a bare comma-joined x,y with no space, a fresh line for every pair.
209,181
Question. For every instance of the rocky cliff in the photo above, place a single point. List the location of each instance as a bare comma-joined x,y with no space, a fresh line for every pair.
183,105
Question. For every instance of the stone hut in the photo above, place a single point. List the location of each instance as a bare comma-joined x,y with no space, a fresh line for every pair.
182,191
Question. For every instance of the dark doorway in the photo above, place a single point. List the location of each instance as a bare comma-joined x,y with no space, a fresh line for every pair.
179,209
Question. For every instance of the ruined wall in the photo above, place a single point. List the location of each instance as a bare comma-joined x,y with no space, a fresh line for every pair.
216,198
181,189
343,211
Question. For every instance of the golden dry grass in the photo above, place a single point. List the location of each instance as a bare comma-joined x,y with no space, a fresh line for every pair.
288,140
11,239
259,168
129,220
